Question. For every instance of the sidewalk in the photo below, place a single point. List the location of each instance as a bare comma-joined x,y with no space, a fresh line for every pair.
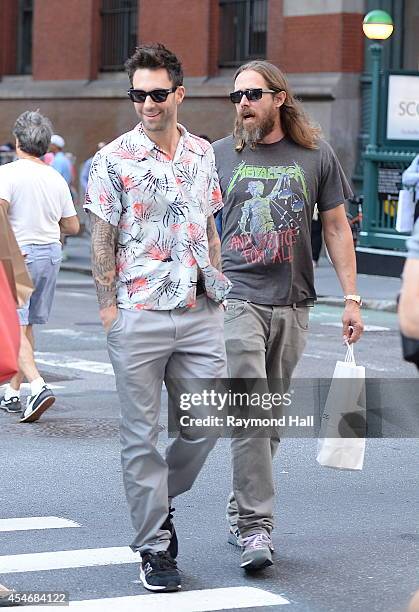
378,292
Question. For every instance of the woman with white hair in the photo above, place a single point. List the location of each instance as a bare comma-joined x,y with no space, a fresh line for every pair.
39,206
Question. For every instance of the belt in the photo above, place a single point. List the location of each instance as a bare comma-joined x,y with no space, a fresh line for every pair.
308,302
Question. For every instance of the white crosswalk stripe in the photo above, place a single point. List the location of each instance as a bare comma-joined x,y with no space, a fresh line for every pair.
65,559
35,522
73,334
205,600
26,386
62,361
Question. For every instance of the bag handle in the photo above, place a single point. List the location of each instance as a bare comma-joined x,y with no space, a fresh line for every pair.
350,357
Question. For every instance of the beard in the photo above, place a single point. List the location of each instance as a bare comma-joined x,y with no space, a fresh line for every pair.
252,134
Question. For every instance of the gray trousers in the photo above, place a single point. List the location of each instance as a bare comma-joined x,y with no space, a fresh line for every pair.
147,347
262,342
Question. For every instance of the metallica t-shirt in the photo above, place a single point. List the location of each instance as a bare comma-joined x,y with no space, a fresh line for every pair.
269,195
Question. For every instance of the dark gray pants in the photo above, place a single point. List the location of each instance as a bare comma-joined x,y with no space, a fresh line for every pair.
261,342
147,347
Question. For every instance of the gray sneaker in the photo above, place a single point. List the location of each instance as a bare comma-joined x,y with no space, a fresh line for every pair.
12,405
256,552
37,404
235,539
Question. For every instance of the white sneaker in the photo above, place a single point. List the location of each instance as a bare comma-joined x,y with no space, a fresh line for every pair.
37,404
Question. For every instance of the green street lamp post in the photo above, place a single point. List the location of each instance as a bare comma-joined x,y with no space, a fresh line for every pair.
377,25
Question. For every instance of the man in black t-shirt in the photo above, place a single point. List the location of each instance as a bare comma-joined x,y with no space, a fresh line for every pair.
272,171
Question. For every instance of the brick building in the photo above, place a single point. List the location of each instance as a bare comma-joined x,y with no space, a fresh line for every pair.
66,58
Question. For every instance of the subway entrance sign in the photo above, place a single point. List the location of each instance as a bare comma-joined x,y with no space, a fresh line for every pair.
384,163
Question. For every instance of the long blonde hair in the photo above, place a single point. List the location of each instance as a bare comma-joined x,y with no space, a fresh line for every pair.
294,121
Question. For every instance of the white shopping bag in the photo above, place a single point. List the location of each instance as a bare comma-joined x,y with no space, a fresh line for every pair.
405,211
341,441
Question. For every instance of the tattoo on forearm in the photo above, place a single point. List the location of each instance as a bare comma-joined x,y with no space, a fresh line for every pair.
214,244
104,238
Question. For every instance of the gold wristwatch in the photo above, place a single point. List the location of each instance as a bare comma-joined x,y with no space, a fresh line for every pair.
353,298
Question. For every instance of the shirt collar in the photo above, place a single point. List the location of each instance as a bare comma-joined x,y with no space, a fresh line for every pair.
187,142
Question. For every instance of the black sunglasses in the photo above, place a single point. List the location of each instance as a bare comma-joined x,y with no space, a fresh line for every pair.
157,95
251,94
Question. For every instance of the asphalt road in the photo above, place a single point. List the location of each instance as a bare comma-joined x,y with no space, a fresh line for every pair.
344,541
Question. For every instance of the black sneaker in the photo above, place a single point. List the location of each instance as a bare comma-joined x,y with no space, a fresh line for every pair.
12,405
169,526
37,404
158,572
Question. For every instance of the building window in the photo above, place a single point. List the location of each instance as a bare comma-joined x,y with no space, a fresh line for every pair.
243,27
24,37
119,32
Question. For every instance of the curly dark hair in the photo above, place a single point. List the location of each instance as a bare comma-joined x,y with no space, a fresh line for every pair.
155,56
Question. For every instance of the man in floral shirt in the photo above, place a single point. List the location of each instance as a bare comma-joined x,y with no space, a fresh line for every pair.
157,267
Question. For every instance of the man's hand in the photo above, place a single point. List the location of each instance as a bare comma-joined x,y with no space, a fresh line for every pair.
108,316
352,318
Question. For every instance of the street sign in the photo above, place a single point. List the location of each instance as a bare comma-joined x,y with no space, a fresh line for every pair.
402,125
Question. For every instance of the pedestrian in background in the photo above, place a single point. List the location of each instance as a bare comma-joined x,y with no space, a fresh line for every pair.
409,298
84,174
151,195
272,171
60,161
39,206
410,178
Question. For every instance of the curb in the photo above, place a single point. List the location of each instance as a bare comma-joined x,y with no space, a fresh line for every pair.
368,304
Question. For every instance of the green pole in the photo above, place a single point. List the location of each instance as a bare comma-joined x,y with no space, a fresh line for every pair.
376,51
370,166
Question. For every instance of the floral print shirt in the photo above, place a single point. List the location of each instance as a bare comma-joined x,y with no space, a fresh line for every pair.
160,206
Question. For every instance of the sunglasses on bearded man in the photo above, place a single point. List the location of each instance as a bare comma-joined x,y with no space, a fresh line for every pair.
251,94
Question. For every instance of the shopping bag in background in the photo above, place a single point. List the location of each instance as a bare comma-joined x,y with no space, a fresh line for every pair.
9,330
13,262
405,211
342,433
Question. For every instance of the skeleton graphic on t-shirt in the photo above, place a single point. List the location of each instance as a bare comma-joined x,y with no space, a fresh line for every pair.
269,224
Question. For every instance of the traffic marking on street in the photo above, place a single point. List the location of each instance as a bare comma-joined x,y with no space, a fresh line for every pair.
73,334
78,294
35,522
62,361
367,328
28,386
65,559
206,600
